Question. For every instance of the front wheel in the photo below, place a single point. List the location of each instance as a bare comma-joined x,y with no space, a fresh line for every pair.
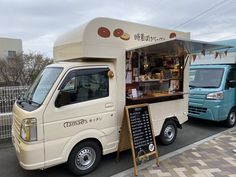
231,119
84,158
168,132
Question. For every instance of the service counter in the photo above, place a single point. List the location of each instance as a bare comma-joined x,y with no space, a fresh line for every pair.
154,97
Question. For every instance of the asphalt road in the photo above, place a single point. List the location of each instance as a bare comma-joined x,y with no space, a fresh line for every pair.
193,131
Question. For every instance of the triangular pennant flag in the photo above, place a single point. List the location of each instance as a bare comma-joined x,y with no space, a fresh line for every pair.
203,52
194,58
226,52
216,54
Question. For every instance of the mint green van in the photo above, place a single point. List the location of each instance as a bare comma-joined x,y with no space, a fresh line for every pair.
212,94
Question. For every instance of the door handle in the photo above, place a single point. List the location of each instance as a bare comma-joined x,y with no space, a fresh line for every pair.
109,105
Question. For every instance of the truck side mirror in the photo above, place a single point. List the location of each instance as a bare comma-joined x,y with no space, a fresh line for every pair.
63,99
231,83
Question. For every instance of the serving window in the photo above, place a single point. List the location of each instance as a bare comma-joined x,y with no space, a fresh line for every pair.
153,78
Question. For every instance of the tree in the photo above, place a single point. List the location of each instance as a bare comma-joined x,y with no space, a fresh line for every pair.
23,69
33,65
11,70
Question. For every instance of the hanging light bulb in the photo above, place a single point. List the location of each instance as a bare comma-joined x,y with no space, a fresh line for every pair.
145,63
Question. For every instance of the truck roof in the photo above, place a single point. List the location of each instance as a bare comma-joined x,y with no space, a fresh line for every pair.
231,42
107,38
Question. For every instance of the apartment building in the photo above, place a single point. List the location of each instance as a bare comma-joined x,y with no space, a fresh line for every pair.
9,47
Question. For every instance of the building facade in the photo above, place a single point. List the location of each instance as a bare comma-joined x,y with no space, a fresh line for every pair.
10,48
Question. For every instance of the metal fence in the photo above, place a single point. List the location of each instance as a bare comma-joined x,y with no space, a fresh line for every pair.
8,96
5,125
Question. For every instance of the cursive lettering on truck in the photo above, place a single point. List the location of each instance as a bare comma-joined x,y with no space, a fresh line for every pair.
75,123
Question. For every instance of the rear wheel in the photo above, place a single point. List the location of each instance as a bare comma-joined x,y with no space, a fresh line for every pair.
168,132
84,158
231,119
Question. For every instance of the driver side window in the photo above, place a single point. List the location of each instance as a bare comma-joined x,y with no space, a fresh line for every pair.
70,85
231,79
232,74
83,85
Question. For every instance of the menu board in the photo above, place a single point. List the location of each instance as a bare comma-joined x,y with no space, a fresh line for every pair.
141,130
137,133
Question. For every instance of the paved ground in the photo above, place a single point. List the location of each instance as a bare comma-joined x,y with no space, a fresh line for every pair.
193,131
212,157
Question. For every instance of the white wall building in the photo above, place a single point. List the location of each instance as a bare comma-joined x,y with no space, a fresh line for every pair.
9,47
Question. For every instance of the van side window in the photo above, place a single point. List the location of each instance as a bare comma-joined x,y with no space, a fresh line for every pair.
232,74
231,79
83,85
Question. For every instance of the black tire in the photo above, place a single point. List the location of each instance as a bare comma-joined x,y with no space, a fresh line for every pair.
168,132
84,158
231,119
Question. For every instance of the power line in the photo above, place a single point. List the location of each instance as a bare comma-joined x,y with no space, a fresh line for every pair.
202,13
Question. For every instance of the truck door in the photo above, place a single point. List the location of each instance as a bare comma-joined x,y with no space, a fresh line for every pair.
230,92
82,107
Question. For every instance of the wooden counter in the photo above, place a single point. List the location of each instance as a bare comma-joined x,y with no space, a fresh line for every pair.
154,97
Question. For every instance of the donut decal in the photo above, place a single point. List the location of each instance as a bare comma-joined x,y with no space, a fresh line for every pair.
118,32
172,35
104,32
125,37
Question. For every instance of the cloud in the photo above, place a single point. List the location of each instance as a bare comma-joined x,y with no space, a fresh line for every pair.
39,22
42,44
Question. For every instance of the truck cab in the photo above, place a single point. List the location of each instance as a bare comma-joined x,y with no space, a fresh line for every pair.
212,88
212,93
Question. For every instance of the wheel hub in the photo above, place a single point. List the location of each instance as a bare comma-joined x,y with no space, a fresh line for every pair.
232,118
85,158
169,132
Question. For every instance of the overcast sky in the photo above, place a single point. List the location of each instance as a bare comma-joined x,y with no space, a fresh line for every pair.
39,22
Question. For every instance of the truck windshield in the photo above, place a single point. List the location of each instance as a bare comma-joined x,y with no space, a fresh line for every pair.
205,77
42,85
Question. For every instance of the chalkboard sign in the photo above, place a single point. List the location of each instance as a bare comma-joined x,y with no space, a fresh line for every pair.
137,126
141,130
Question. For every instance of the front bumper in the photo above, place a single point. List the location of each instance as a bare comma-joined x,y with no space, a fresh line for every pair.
30,155
207,111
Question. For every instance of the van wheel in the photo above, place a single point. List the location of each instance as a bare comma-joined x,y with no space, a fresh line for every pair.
84,158
168,132
231,119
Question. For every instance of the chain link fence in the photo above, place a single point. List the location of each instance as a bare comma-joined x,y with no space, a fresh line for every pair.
8,96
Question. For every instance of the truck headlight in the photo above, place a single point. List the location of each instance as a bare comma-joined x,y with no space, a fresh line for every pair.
28,131
215,96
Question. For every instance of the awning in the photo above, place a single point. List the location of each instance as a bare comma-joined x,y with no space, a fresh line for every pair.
177,47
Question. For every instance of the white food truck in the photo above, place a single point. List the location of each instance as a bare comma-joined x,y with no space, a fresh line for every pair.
73,111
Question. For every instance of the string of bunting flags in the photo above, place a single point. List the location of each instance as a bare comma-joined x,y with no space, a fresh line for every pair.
216,54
